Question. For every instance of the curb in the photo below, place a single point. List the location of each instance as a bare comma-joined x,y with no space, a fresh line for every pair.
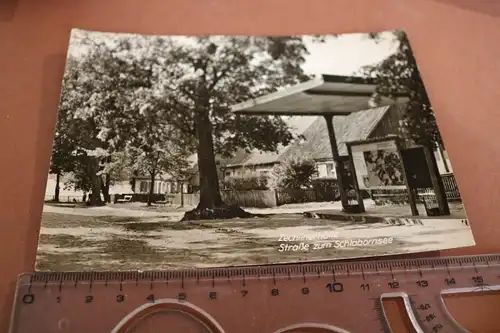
399,221
363,218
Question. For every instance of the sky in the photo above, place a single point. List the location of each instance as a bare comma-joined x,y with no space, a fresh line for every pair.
342,55
339,55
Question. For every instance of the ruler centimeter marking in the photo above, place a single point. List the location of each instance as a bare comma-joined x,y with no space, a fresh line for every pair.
310,297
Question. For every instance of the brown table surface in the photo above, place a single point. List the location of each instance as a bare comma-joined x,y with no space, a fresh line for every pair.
457,47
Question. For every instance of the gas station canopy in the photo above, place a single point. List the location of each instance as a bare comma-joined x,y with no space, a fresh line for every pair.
326,94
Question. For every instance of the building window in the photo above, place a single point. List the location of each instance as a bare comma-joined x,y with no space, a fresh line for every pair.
330,170
263,173
228,173
144,186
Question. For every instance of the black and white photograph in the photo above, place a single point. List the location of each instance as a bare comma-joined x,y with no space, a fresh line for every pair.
175,152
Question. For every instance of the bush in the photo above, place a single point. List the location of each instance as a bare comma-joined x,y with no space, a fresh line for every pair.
295,174
246,183
326,189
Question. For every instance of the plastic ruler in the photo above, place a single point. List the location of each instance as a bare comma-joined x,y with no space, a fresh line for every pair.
311,297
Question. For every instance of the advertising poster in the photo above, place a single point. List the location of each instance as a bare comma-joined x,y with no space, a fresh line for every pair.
378,166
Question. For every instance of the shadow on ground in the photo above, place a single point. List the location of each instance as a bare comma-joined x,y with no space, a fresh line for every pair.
136,254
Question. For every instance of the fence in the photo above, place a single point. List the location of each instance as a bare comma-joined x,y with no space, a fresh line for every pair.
64,198
292,196
255,198
189,199
451,187
386,197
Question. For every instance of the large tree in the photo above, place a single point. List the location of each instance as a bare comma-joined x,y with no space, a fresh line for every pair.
208,75
61,160
95,105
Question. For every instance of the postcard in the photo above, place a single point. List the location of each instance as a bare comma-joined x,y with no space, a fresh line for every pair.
174,152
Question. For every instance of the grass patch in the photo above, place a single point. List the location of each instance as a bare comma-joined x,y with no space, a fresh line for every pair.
66,204
121,254
157,226
56,220
57,262
271,222
122,248
154,207
250,243
128,254
66,241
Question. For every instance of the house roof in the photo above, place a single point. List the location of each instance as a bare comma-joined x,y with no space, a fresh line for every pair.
353,127
257,157
326,94
356,126
238,157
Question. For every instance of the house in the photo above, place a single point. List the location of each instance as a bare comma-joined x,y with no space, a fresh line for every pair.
357,126
255,163
165,183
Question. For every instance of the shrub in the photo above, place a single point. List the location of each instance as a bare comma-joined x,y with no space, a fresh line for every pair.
296,174
245,183
326,189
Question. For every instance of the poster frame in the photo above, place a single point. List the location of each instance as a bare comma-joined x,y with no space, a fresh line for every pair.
390,138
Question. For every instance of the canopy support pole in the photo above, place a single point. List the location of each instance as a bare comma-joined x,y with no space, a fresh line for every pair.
339,167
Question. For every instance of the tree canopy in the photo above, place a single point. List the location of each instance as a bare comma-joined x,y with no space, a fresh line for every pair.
206,76
129,101
399,73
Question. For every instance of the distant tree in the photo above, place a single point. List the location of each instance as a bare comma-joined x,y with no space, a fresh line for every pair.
96,94
399,74
61,160
210,74
156,147
80,177
116,169
133,179
295,174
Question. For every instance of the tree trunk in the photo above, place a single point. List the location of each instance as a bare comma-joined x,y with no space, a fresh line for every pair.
95,194
437,180
151,188
443,158
210,206
105,185
210,196
182,194
57,189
